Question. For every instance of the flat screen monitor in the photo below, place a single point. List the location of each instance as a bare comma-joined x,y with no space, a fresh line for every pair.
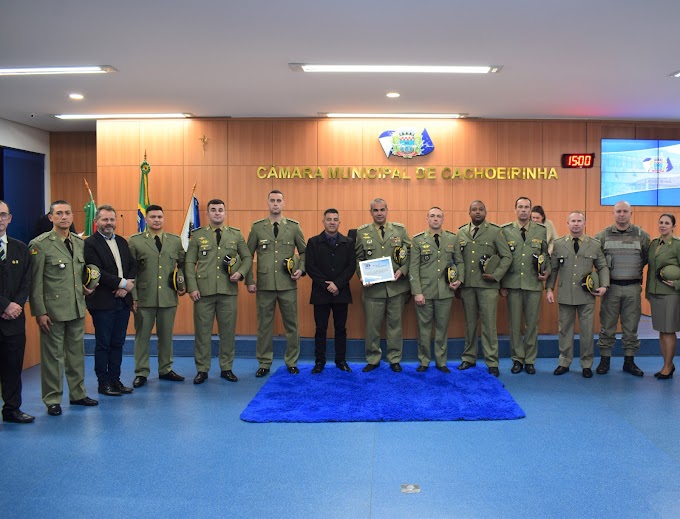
642,172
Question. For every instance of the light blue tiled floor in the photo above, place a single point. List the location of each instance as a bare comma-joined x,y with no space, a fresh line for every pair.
604,447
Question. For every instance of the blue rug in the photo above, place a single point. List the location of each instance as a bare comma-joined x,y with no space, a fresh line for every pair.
381,396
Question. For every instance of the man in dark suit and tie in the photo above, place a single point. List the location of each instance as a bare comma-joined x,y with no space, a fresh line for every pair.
110,304
15,279
330,262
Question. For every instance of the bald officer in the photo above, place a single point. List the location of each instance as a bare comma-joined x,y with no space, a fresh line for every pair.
523,285
431,255
575,256
384,301
158,254
57,300
479,240
214,290
274,240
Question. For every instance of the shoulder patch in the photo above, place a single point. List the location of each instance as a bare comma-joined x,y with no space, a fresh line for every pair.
33,250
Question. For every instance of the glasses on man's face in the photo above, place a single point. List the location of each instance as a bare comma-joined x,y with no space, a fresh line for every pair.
5,216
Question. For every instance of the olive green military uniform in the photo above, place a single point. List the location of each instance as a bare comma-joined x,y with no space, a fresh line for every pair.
525,290
664,299
427,269
626,254
480,297
384,301
571,268
57,290
204,271
156,300
275,284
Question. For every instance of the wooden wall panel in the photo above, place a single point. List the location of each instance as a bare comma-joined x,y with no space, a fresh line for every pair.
212,152
475,143
250,143
118,186
340,142
165,187
295,143
118,143
211,182
162,142
427,191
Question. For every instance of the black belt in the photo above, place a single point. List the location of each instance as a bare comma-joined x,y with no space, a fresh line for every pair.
625,282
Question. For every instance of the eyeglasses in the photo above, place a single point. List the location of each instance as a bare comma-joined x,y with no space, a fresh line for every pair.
5,216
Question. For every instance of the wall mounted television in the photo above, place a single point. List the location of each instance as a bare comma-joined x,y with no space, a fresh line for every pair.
642,172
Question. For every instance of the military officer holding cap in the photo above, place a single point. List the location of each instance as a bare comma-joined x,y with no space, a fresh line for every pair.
160,258
433,279
523,284
213,287
573,259
275,240
384,301
57,299
482,259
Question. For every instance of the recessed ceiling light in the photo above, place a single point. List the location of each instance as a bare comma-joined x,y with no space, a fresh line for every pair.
418,69
394,116
123,116
675,74
30,71
392,94
76,97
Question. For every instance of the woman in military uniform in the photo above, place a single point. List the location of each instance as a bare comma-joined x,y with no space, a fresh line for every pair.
664,293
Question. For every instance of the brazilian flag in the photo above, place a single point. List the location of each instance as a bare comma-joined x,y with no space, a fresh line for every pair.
143,196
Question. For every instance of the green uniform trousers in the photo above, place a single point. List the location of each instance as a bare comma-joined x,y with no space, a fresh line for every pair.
620,301
63,351
164,318
206,309
482,304
266,305
524,306
435,311
388,310
567,317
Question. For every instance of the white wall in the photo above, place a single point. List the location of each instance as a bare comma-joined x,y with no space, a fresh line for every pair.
22,137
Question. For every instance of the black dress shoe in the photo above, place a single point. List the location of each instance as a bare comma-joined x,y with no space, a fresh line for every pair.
318,368
661,376
603,366
444,369
229,375
530,369
587,373
629,366
108,390
421,368
494,371
261,372
516,367
343,366
293,370
200,377
17,416
139,381
54,410
396,367
171,375
87,401
466,365
370,367
120,387
560,370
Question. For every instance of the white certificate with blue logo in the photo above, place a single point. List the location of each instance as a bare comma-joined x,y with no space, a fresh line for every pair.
376,270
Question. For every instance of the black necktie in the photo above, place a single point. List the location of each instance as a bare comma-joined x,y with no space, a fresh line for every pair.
576,245
524,234
436,239
474,232
382,231
67,242
158,243
661,242
218,235
276,229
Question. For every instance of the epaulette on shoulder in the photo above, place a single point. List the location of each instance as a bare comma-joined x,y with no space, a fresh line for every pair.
294,221
419,234
398,224
493,225
462,226
260,221
676,237
363,226
43,236
172,234
449,232
235,228
509,224
137,234
74,235
541,224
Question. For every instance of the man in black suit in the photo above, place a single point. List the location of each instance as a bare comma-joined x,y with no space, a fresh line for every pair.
330,262
110,304
15,280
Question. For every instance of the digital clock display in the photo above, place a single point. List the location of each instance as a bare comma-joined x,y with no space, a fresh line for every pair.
578,160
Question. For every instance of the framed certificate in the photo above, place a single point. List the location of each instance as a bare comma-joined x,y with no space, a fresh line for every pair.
376,270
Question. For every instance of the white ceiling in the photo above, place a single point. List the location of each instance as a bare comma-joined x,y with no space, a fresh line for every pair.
600,59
